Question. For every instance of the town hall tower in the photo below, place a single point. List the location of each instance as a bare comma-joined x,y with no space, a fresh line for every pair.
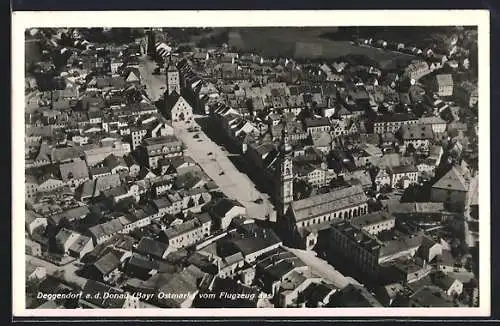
285,174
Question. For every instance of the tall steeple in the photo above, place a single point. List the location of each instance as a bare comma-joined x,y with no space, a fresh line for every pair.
285,174
172,77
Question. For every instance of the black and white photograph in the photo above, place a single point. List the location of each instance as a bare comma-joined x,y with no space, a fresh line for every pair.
192,164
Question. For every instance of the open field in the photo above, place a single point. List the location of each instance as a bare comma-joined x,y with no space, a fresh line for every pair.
305,43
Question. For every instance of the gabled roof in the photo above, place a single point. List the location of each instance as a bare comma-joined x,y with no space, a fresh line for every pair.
106,228
342,111
98,170
316,122
444,79
80,244
136,74
452,180
354,296
107,182
324,140
223,205
76,213
111,161
416,131
130,160
151,247
143,262
329,202
44,152
183,282
107,263
399,169
63,235
74,170
32,216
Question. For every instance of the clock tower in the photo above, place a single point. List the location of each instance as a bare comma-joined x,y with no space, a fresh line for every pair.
173,78
285,174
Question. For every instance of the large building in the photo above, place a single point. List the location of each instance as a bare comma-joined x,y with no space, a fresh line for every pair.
154,149
94,156
344,203
178,109
444,85
374,223
188,233
355,244
306,218
452,189
416,137
392,123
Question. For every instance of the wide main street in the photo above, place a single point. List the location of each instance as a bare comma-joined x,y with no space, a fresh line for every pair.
210,156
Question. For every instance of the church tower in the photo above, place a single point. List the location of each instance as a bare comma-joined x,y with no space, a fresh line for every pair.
285,174
173,78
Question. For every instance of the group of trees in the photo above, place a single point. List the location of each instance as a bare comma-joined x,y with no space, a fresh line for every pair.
215,39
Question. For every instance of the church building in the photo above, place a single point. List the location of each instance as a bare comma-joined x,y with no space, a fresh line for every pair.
176,107
303,219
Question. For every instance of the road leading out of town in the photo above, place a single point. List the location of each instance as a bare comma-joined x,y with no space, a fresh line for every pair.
322,268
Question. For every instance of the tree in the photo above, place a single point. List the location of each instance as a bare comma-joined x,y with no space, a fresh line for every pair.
190,202
385,188
301,189
464,297
32,286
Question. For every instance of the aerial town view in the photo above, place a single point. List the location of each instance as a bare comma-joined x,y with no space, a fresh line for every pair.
251,167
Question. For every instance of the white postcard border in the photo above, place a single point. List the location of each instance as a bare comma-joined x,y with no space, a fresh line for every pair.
317,18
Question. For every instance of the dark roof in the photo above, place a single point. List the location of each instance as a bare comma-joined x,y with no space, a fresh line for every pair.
142,262
317,292
430,296
74,170
354,296
317,122
151,247
107,263
111,161
417,131
372,218
394,117
223,205
257,242
403,169
452,180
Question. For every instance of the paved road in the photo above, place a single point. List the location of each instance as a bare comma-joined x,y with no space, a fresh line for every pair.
66,273
323,269
233,183
154,83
